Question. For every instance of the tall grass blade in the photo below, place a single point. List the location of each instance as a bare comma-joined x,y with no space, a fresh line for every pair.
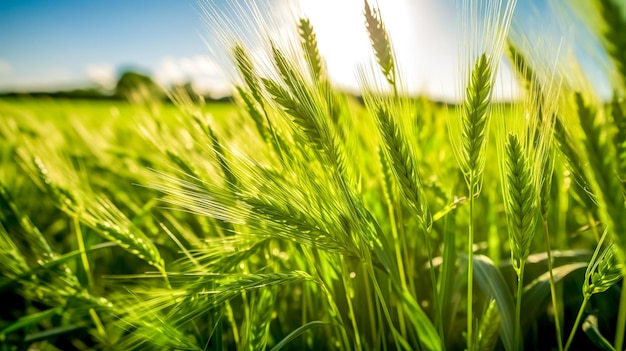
299,331
494,286
590,327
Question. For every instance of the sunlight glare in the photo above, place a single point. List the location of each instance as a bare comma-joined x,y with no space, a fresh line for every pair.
423,34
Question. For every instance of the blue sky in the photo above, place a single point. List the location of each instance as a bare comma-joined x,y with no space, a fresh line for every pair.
47,44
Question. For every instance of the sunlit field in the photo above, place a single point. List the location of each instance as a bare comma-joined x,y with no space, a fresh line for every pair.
300,216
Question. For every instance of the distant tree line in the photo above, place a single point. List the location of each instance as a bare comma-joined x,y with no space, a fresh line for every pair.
131,86
137,87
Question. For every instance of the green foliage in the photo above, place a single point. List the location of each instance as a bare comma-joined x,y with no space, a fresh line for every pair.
613,14
137,87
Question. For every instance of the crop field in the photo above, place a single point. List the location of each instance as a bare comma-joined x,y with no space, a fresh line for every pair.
301,217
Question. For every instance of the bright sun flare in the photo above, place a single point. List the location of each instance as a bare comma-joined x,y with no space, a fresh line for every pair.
423,34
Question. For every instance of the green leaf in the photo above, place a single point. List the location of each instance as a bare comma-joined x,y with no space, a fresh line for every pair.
52,333
58,260
448,273
493,285
30,320
428,337
296,333
537,293
590,327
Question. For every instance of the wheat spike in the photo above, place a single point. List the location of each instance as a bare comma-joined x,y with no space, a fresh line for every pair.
520,199
381,44
603,272
302,114
99,213
246,69
258,325
309,45
403,164
475,118
489,328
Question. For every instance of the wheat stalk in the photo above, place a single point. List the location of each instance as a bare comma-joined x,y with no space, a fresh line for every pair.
604,271
470,156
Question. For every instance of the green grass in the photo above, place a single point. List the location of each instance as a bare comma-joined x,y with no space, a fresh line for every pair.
299,218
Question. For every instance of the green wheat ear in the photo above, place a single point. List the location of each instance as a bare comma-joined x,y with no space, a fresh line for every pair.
475,108
309,45
520,199
380,42
603,272
489,328
403,164
521,66
249,74
302,114
258,325
100,214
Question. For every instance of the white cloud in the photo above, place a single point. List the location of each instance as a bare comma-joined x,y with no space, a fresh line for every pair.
102,74
200,70
48,79
5,67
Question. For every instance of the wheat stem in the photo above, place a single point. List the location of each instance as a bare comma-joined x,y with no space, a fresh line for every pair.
518,306
83,253
473,137
98,323
581,310
382,303
398,244
470,271
620,327
373,311
555,305
352,315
